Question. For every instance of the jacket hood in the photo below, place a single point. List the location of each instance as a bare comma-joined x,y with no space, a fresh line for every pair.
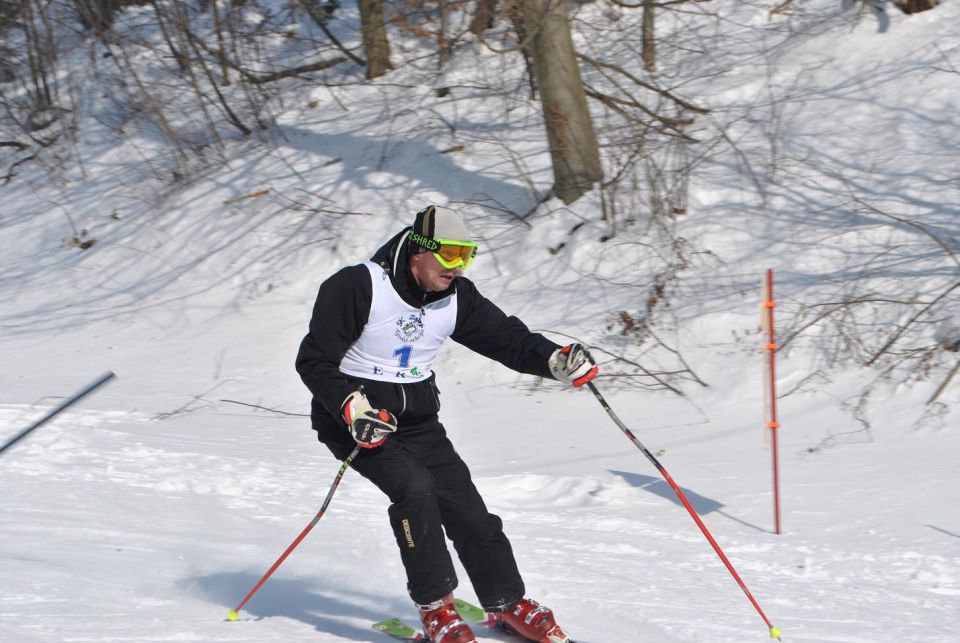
394,258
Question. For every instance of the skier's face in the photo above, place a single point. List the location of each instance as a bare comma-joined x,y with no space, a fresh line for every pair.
430,275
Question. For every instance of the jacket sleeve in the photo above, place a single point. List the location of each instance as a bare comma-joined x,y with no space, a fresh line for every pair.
485,329
339,315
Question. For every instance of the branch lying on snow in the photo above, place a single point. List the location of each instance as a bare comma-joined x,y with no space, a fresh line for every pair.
662,3
10,173
257,406
907,222
190,407
900,331
293,71
256,79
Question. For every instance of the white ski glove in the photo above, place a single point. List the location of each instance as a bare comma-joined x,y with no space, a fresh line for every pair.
369,427
572,364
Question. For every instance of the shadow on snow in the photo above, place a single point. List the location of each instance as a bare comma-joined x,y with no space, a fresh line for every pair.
325,608
701,504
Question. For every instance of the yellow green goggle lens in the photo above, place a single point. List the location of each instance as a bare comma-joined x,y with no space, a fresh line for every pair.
451,254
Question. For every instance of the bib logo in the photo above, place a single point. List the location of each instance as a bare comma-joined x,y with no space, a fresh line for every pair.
409,329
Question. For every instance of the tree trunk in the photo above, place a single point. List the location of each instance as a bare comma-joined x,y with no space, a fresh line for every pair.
96,15
915,6
573,144
444,52
482,19
375,43
515,12
648,47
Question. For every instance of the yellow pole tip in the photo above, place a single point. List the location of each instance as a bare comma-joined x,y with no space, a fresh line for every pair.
775,633
232,615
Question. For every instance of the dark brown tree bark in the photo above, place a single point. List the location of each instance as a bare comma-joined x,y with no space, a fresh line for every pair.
444,50
573,144
915,6
97,15
375,43
482,19
648,46
515,13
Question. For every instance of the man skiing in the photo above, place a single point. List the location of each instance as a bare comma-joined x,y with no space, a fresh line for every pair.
376,330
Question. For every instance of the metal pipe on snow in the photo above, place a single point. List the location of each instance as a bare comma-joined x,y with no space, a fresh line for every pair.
58,409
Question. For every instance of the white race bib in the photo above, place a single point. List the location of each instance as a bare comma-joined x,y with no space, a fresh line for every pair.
399,342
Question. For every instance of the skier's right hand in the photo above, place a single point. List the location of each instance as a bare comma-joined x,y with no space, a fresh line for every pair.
369,427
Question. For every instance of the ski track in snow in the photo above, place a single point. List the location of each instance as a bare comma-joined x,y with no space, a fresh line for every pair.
160,530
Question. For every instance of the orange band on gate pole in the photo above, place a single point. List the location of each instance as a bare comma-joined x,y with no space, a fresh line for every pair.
773,424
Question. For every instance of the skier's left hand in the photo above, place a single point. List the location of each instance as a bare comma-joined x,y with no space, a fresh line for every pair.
573,364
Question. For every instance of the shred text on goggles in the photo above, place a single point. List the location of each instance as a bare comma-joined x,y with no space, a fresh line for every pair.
451,254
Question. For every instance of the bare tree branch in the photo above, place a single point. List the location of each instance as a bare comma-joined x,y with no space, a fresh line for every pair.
293,71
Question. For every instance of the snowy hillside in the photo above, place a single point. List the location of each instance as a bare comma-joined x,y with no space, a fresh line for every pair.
829,153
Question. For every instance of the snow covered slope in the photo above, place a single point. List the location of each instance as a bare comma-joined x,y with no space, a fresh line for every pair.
149,510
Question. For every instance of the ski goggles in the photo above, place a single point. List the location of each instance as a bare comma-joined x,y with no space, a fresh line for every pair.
451,254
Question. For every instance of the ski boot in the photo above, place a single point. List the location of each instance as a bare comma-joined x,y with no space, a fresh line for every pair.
443,624
529,620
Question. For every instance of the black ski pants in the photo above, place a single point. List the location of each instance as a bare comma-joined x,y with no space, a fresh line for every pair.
431,491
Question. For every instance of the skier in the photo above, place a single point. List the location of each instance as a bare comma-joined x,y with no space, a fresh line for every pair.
376,330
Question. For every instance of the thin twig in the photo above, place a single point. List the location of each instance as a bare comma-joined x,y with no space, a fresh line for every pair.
257,406
913,224
904,328
293,71
687,105
943,385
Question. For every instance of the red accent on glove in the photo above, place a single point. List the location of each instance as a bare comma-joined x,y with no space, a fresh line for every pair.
586,378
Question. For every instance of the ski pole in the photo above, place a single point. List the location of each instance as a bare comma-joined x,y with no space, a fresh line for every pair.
234,613
63,405
774,632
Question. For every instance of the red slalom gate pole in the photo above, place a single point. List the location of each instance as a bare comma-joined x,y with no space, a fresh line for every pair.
234,613
774,632
772,422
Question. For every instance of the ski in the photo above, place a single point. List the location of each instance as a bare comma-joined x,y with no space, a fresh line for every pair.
473,614
399,630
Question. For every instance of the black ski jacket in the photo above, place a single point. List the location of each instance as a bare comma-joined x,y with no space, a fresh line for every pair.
341,312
